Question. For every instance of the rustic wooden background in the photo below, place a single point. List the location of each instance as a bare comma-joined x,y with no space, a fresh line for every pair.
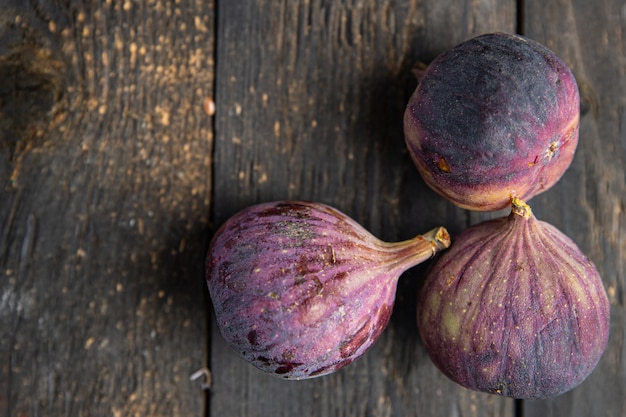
114,172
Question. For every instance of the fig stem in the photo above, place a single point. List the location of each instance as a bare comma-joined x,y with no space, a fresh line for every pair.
520,208
419,71
417,250
439,239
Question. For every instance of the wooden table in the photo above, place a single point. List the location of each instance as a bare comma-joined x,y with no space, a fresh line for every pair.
115,172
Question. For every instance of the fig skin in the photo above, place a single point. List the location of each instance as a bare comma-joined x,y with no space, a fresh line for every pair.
493,118
514,308
301,290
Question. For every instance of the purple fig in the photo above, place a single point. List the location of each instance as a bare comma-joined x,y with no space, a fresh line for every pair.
514,308
493,118
301,290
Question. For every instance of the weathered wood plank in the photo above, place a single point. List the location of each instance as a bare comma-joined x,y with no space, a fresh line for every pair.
589,202
310,97
104,206
106,175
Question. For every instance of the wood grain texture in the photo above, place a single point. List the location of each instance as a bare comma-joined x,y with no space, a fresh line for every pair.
310,97
111,182
104,206
589,203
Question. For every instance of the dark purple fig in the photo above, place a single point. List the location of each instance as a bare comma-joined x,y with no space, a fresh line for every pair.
301,290
514,308
493,118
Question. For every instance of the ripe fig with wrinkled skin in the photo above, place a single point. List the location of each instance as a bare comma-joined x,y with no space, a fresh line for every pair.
493,118
514,308
301,290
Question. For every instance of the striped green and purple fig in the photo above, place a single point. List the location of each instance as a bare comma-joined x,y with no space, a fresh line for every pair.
493,118
301,290
514,308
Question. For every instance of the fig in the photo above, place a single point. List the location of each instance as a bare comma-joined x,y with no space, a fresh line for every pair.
301,290
514,308
493,118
